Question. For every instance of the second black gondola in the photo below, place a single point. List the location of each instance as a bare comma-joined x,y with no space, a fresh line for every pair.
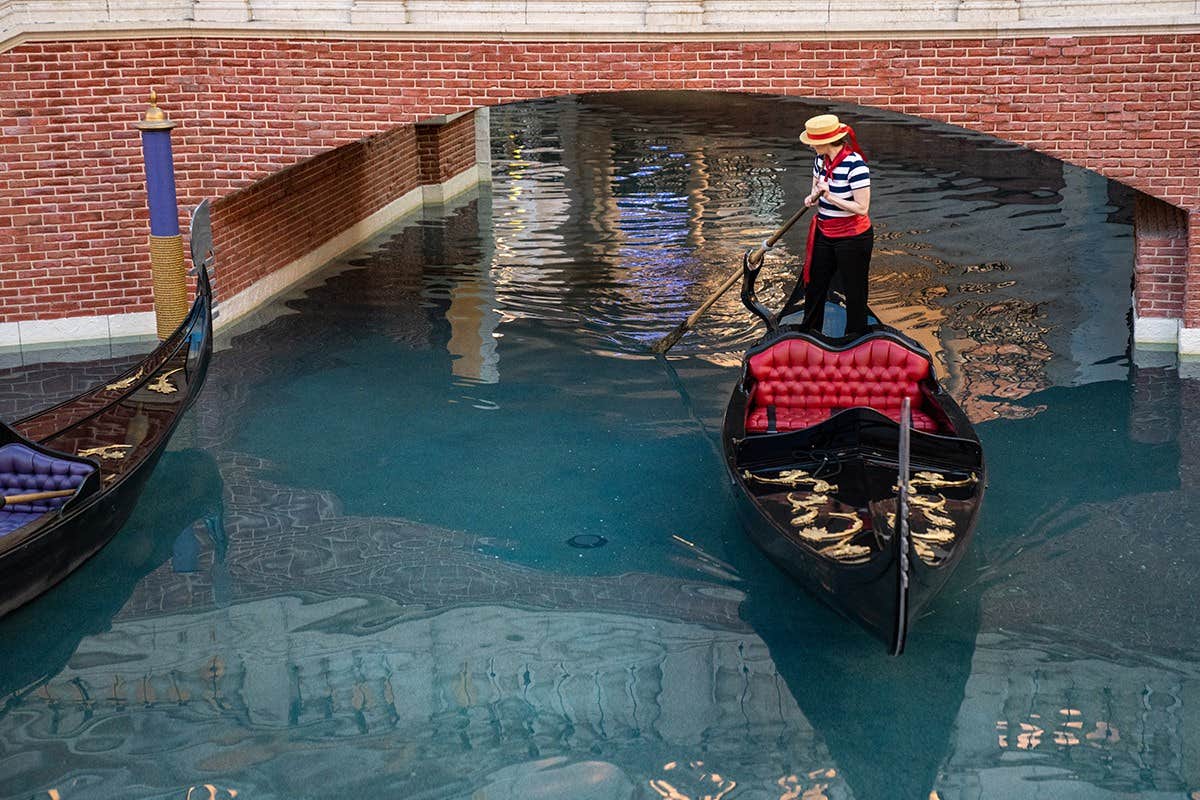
814,445
73,473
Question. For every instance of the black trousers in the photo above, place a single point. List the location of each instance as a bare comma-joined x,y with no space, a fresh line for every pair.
850,259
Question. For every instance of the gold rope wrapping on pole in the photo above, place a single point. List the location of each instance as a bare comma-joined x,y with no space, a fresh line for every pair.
170,283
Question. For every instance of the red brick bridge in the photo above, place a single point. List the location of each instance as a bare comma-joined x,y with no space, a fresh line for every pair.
308,139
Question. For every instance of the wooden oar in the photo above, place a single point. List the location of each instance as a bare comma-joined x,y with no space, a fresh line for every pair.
20,499
756,256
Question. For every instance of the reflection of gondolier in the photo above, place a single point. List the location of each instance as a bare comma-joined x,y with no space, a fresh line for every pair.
840,238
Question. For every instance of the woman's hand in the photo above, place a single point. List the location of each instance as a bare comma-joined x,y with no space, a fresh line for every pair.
822,188
811,200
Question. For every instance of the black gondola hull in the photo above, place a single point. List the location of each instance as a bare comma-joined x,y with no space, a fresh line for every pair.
866,597
42,561
857,449
122,429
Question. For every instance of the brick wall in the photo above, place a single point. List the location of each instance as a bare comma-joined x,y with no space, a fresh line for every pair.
1160,258
446,150
276,220
72,202
1191,295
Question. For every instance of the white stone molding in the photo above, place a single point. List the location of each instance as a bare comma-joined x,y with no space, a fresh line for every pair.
379,12
10,335
37,333
1092,9
988,12
1157,330
483,143
1189,341
684,14
22,20
230,12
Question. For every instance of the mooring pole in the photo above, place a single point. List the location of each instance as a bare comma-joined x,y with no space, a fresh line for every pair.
166,244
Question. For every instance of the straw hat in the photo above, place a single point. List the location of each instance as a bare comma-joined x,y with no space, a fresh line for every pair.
823,129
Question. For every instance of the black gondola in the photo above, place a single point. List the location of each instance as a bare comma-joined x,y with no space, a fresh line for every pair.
73,472
814,443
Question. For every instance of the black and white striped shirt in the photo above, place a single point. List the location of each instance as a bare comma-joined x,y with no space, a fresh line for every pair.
852,173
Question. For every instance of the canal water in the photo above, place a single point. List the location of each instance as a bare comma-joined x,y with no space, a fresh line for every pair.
441,527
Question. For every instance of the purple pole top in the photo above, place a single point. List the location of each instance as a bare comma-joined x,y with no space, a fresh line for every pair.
160,171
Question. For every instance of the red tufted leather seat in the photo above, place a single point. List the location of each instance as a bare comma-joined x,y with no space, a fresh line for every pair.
808,385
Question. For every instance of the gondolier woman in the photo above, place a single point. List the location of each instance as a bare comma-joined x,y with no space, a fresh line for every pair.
840,238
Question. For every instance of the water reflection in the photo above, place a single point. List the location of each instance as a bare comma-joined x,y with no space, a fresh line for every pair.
188,487
364,578
434,703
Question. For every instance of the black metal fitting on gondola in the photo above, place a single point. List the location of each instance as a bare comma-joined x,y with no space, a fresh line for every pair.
750,300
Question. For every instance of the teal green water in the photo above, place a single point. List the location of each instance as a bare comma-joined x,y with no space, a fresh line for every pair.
440,526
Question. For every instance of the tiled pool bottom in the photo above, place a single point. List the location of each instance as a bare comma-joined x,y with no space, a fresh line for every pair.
314,673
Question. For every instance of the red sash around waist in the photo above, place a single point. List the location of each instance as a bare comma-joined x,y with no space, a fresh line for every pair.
836,228
841,227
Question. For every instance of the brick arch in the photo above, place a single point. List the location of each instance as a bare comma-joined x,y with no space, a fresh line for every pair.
250,108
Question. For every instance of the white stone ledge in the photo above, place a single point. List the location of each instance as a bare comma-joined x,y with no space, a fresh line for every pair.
1155,330
37,333
1189,341
1158,332
586,20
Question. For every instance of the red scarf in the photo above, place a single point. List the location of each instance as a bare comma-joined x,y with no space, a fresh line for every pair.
841,226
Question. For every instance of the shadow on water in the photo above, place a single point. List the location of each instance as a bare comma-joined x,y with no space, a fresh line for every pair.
887,722
182,499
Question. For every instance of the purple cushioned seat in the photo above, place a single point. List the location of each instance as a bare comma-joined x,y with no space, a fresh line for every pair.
25,471
11,520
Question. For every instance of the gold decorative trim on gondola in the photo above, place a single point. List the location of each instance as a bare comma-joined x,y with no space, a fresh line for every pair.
841,548
793,477
856,523
113,452
817,535
941,536
162,385
924,551
848,553
806,509
923,540
125,383
926,503
805,516
937,519
936,480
